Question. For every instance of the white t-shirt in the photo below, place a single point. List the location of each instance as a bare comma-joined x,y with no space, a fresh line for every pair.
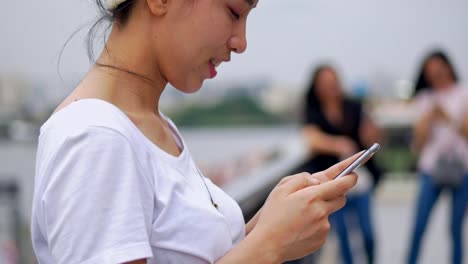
104,193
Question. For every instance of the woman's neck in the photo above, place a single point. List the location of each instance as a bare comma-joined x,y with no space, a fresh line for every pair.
331,105
332,110
133,79
445,86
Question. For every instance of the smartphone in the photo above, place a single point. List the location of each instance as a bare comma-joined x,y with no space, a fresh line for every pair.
363,158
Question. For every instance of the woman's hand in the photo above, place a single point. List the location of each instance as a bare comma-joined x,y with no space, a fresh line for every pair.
315,179
324,143
439,114
369,132
345,146
464,126
422,128
294,220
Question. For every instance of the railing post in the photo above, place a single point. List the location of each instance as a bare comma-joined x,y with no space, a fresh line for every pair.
10,222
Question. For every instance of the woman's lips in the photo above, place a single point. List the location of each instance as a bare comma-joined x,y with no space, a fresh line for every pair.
213,71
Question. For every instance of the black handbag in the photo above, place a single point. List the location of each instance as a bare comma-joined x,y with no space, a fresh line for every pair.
449,171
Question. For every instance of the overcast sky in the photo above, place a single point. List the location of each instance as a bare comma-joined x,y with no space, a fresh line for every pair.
285,38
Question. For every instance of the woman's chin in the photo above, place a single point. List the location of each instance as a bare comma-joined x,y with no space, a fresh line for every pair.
191,86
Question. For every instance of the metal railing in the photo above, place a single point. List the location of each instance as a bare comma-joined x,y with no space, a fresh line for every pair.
10,237
251,190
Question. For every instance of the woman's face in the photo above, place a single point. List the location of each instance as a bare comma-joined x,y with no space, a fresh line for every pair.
328,85
438,74
197,36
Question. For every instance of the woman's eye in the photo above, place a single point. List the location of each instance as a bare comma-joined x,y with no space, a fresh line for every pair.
234,14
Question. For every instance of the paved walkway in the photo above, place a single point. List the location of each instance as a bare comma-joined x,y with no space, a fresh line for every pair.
393,217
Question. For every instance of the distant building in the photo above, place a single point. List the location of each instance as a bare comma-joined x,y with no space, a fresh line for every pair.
14,93
281,98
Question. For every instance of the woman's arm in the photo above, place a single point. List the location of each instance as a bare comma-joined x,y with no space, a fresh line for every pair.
369,132
323,143
251,224
421,131
253,249
464,126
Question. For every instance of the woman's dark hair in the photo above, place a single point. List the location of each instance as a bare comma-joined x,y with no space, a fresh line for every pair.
311,98
421,83
119,16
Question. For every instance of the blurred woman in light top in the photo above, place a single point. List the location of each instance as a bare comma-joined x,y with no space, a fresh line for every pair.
441,139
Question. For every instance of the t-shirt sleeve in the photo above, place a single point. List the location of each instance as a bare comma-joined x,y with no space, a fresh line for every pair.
97,203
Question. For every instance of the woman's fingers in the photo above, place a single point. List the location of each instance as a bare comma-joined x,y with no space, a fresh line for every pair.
335,204
336,169
331,189
320,176
304,179
297,182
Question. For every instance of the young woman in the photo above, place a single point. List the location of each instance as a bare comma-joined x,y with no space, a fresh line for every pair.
116,183
441,138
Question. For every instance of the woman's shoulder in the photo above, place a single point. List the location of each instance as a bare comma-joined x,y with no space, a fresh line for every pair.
423,96
86,114
461,90
88,130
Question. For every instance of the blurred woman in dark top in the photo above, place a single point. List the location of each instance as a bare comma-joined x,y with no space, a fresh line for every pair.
335,128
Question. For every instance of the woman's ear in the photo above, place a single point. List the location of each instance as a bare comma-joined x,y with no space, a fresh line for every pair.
158,7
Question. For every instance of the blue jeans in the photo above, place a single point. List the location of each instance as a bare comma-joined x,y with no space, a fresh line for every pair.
360,205
428,195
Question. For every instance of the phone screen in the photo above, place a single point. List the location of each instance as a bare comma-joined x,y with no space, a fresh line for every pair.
363,158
